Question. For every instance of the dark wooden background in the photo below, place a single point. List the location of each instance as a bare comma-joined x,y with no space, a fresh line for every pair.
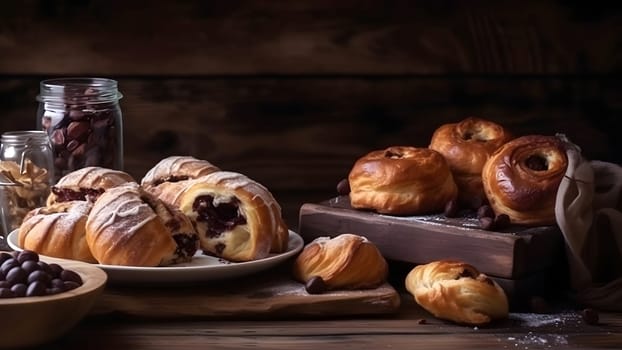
292,92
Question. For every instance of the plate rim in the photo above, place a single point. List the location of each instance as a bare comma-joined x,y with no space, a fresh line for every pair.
291,251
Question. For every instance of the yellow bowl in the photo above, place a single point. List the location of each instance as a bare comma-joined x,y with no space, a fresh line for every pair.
29,321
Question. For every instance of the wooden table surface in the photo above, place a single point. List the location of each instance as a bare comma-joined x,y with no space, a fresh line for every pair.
410,327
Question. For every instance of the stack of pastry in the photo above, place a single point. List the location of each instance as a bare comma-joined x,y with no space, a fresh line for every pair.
183,204
473,163
236,217
58,229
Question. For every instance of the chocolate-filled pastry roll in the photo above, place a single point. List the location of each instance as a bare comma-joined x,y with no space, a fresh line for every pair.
237,218
87,184
129,226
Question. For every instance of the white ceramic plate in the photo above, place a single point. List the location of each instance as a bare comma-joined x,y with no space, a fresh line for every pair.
201,268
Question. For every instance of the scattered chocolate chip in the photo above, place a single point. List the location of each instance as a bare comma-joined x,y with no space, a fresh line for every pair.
501,221
539,305
422,321
316,285
451,209
343,187
485,211
590,316
486,223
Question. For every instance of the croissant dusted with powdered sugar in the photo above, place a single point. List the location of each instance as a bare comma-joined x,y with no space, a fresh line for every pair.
58,231
87,183
347,261
129,226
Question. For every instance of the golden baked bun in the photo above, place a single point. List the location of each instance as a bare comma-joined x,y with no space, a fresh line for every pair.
401,181
347,261
458,292
58,231
237,218
466,146
176,168
128,226
87,183
522,177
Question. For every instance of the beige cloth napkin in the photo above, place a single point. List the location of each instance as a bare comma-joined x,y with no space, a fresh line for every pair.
588,210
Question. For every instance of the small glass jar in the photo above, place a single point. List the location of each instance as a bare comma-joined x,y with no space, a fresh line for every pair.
26,175
83,119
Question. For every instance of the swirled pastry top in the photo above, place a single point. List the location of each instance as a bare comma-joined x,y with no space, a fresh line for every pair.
467,145
522,177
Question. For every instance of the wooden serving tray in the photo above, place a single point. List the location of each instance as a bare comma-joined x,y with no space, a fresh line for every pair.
265,295
520,258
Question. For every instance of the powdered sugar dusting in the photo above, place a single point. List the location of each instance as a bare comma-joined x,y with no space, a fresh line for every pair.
531,320
546,331
536,341
94,177
180,165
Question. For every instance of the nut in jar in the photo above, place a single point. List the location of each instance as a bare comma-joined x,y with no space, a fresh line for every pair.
26,175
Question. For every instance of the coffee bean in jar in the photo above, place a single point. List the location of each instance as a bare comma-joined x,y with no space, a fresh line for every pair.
83,120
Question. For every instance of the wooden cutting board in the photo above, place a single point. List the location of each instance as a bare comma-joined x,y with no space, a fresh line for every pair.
266,295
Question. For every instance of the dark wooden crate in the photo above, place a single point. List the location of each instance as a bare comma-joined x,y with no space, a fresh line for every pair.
524,260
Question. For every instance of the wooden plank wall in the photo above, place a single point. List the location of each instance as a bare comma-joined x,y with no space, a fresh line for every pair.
292,92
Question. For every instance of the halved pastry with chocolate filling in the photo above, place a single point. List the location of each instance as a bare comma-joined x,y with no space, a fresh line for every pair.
237,218
129,226
86,184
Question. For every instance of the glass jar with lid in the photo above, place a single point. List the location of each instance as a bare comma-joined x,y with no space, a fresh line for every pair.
26,175
83,120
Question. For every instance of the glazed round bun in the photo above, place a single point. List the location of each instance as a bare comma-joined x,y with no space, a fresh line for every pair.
466,146
347,261
128,226
87,183
458,292
401,180
522,177
58,231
